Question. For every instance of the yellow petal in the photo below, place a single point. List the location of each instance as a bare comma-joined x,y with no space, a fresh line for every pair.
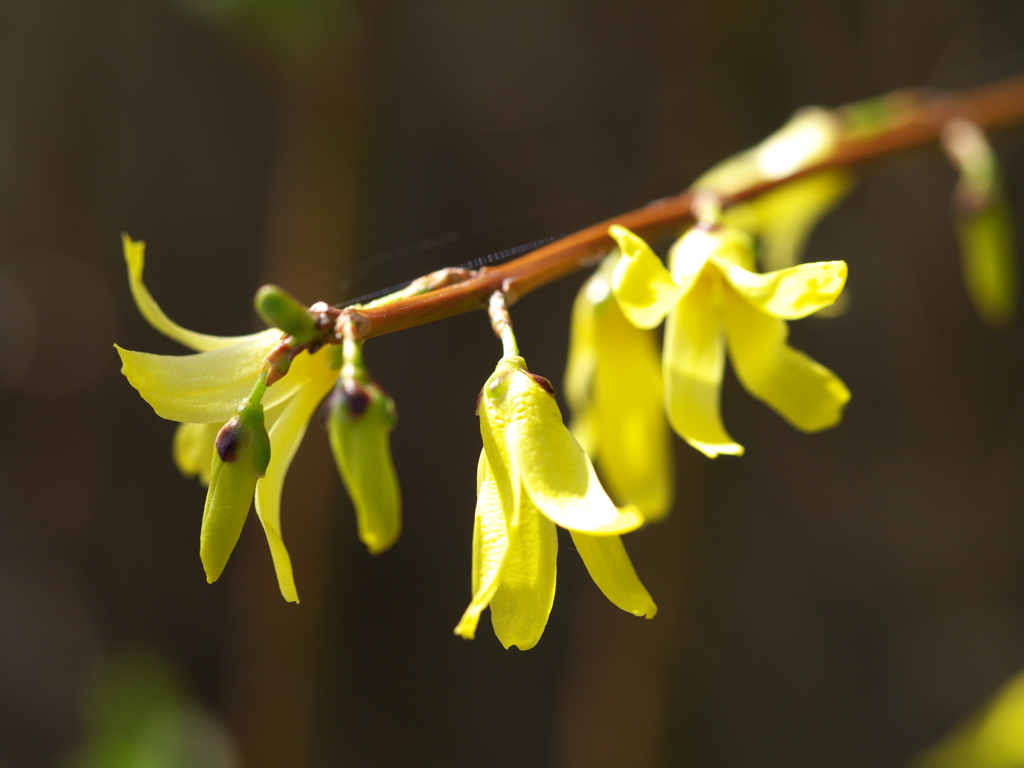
610,568
363,456
992,737
495,410
786,216
206,387
690,253
490,543
631,437
643,287
556,473
285,436
526,590
579,371
135,257
805,393
789,293
694,359
193,449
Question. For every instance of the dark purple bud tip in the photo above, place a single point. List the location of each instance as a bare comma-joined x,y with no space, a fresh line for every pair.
351,398
227,442
542,383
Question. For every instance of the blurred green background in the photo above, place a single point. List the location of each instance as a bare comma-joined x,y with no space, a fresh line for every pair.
842,599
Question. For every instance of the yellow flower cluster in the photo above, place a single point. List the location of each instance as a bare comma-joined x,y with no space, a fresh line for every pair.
242,418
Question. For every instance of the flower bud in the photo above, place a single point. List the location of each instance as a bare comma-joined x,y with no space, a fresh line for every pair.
240,458
280,309
360,418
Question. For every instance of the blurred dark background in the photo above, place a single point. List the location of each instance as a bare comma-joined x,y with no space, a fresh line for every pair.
835,600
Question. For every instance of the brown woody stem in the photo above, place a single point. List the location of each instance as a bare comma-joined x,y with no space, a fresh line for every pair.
916,119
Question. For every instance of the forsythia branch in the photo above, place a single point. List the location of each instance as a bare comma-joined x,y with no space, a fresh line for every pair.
910,119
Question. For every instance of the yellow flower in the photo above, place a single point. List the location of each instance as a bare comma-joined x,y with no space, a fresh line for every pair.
203,391
613,385
532,476
783,218
713,298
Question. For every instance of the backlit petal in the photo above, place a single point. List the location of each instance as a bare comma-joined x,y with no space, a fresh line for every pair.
643,287
206,387
610,568
285,436
135,257
694,360
784,218
490,543
805,393
789,293
631,434
526,591
556,473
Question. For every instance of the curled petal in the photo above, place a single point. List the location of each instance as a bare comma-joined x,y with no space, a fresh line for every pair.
694,360
193,449
556,473
784,218
285,436
135,257
206,387
526,590
789,293
631,435
643,287
490,544
805,393
610,568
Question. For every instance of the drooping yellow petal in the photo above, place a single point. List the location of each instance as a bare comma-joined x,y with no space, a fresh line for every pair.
285,436
610,568
582,359
694,360
785,217
789,293
135,257
992,737
805,393
631,434
193,449
526,589
495,413
206,387
556,473
643,287
362,452
490,543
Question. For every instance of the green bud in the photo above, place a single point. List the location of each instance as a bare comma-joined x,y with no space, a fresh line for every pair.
240,458
360,418
280,309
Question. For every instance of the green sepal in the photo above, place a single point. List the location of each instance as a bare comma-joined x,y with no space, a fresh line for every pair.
240,459
280,309
361,417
